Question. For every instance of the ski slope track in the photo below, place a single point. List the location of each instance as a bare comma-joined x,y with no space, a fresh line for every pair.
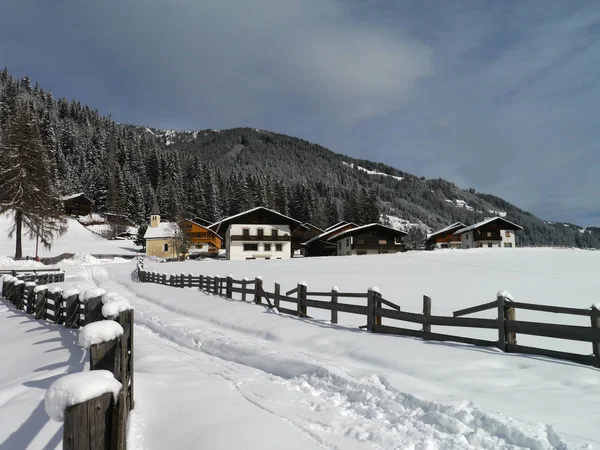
330,406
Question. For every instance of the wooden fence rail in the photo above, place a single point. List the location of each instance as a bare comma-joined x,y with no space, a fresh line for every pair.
100,421
376,308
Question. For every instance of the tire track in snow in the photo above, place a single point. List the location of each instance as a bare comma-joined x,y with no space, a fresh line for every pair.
367,410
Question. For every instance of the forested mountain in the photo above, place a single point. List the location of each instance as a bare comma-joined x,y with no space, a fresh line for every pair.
212,174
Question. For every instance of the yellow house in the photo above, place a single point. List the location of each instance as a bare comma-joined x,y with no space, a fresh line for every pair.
201,238
161,237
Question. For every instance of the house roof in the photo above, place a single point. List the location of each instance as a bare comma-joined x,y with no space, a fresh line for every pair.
328,233
337,225
162,231
72,196
364,227
505,225
228,220
201,226
309,225
450,228
201,221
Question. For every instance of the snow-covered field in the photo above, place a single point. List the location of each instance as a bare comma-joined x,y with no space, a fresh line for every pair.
77,239
213,373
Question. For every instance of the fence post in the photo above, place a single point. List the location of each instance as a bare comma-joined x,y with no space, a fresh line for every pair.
501,319
190,280
104,357
172,280
18,295
377,301
200,282
427,313
40,304
30,296
509,314
277,294
71,311
595,316
216,285
92,308
258,290
244,289
334,301
301,307
371,310
91,424
228,289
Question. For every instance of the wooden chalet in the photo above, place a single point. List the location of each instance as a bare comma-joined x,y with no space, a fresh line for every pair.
77,204
201,221
445,238
494,232
301,234
319,244
259,233
202,239
371,239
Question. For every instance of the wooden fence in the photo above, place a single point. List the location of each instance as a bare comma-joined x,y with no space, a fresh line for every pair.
98,423
41,276
376,308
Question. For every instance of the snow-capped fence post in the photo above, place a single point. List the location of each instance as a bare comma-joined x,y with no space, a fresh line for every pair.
595,316
258,290
172,280
164,278
182,280
334,301
301,309
40,302
190,280
501,322
510,313
91,304
426,313
371,310
229,289
28,297
19,290
71,308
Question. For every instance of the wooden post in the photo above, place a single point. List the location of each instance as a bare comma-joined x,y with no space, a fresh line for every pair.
277,294
71,311
301,309
228,290
104,357
377,301
190,280
509,314
595,316
201,282
19,295
426,312
40,304
258,290
182,280
93,310
501,329
89,425
371,310
244,290
334,302
30,297
164,278
216,285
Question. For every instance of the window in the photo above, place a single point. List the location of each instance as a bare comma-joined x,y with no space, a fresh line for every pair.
489,234
360,241
246,232
165,247
278,247
250,247
274,232
199,245
382,242
490,244
260,233
348,241
444,245
508,244
267,247
507,234
339,244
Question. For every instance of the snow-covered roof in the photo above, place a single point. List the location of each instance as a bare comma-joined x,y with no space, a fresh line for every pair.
364,227
455,226
337,225
511,225
72,196
328,232
201,226
163,230
227,219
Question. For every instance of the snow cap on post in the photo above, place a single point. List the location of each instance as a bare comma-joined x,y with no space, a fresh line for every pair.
112,309
70,293
40,288
99,332
78,388
506,295
91,293
335,289
109,297
56,290
375,289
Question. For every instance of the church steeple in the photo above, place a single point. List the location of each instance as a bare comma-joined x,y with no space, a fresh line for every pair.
155,215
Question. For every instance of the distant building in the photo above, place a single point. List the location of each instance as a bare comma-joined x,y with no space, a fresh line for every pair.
319,244
301,234
445,238
371,239
161,236
77,204
202,239
492,232
259,233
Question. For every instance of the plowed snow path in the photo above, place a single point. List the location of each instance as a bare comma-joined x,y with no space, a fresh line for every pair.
245,385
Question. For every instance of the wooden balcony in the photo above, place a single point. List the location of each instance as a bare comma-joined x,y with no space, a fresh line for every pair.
265,238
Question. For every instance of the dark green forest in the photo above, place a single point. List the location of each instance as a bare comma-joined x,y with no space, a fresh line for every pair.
212,174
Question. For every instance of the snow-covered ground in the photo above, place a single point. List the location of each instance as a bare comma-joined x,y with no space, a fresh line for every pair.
76,239
213,373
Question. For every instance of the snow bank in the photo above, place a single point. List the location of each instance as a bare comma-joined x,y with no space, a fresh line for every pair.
115,307
99,332
7,262
40,288
78,388
91,293
507,295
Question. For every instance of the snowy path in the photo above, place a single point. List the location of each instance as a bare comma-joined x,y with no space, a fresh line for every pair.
235,383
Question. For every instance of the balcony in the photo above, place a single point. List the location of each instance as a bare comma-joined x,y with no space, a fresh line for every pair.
265,238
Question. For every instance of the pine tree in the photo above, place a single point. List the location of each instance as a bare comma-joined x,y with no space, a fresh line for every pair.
26,189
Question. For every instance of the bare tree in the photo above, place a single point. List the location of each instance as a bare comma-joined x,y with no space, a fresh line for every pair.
415,239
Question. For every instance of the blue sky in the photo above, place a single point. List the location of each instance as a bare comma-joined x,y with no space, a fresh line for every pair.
499,96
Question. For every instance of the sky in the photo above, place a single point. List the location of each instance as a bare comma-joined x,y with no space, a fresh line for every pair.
502,97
